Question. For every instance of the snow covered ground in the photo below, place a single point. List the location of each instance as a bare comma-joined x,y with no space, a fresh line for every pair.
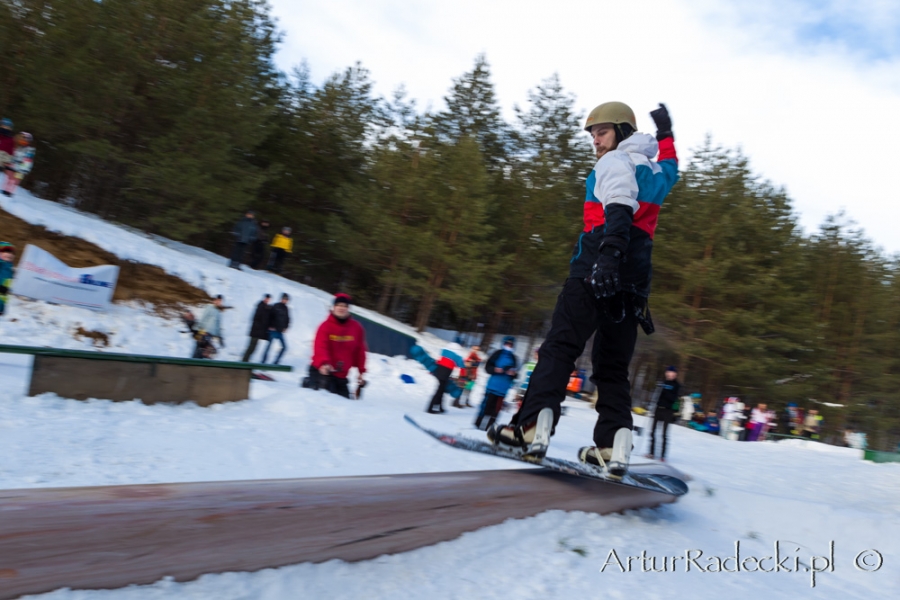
801,496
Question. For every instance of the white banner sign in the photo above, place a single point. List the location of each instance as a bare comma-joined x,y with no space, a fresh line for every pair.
42,276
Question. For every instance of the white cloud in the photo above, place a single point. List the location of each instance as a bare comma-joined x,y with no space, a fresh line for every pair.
817,119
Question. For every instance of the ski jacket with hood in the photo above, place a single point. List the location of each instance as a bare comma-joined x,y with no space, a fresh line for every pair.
625,191
341,344
499,383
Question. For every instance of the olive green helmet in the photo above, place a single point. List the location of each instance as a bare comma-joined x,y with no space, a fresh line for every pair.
616,113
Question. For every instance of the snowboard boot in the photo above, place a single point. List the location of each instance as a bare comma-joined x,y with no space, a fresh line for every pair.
612,460
530,441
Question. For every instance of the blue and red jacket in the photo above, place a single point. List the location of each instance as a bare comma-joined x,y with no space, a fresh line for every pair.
628,177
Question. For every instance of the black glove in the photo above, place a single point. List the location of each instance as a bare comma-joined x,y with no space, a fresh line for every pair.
605,273
3,289
663,122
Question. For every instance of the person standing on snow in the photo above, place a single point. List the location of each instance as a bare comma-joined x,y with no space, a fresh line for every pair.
607,289
665,411
20,163
340,345
279,321
7,143
7,148
759,416
442,369
468,374
503,367
259,327
7,271
245,233
258,251
282,245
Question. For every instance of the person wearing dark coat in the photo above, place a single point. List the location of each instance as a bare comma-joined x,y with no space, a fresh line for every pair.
258,253
245,233
665,411
279,321
259,328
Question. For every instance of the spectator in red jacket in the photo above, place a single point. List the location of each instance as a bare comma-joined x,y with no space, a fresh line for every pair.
340,345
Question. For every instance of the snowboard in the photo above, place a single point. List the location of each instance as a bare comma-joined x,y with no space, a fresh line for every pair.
665,484
261,376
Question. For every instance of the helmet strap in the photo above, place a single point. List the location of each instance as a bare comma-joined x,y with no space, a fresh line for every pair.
623,131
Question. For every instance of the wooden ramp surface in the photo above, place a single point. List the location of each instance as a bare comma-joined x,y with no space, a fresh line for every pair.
109,537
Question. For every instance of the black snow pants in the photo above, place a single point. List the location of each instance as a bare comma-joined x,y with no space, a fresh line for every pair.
663,417
578,314
237,254
330,383
442,374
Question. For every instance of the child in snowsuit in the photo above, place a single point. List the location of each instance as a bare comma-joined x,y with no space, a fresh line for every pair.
7,271
468,374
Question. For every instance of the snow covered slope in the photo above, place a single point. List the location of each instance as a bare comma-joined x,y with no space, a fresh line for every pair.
803,496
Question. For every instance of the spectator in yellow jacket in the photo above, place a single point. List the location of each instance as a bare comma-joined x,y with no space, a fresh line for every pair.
282,245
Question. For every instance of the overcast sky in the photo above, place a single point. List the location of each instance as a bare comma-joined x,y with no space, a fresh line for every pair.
808,90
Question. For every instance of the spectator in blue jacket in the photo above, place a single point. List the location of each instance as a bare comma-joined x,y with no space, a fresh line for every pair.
502,367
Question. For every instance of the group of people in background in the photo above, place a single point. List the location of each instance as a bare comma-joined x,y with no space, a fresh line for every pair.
735,420
248,233
339,345
501,366
269,324
739,421
16,156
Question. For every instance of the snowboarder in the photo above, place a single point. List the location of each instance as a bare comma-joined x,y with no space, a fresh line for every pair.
503,367
245,232
665,411
340,345
607,288
7,271
279,321
282,245
259,327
